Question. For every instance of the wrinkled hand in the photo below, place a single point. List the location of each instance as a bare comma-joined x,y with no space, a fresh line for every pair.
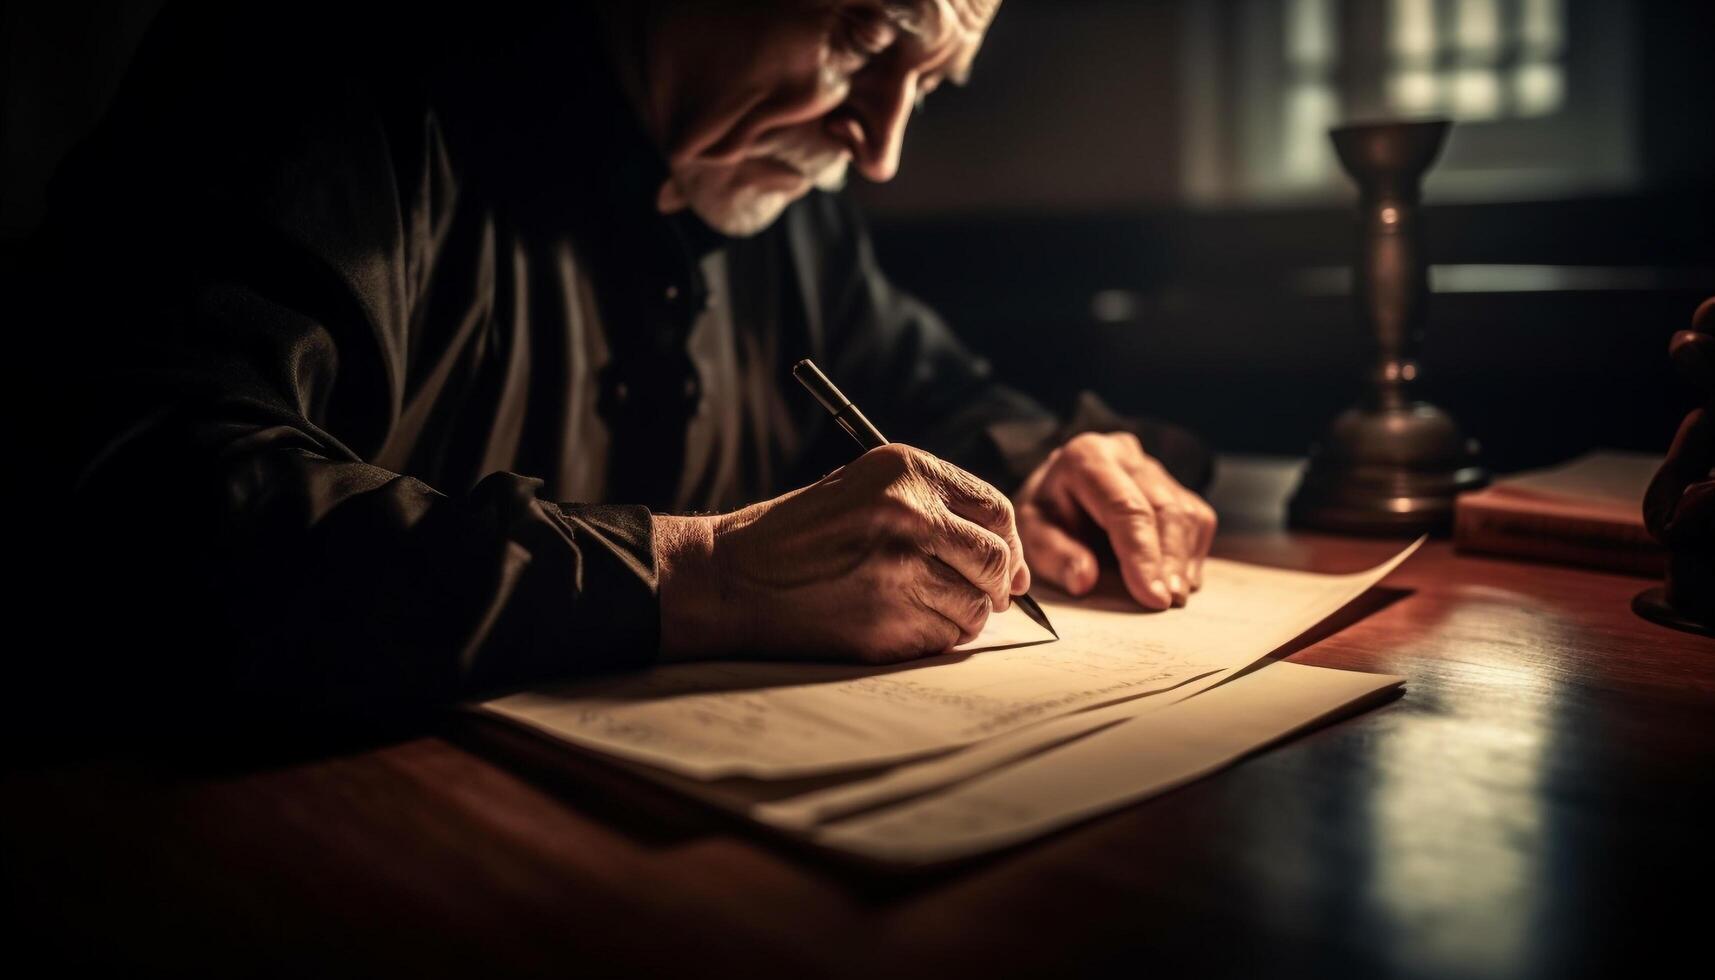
1104,487
897,555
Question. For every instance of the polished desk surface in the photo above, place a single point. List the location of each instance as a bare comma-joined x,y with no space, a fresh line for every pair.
1536,804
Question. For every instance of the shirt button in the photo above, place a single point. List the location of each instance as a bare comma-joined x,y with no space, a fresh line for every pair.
672,293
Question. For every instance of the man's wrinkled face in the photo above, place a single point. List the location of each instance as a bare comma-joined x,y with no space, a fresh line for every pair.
760,101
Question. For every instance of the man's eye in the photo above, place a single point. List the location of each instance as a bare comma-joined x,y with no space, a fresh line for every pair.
867,33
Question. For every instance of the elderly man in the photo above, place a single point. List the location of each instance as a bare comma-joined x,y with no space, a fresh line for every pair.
406,333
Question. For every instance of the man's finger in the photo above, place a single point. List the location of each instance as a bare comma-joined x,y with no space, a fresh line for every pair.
1177,541
975,552
1056,555
945,592
976,501
1206,523
1172,520
1115,502
1184,522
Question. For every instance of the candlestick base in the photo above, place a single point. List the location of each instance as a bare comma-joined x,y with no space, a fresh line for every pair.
1652,605
1387,472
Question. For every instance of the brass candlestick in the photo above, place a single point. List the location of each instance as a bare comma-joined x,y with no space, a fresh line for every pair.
1391,465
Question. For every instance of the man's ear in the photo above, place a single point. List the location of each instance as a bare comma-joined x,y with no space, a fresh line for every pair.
671,200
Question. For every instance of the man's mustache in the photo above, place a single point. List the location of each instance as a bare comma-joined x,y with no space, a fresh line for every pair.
822,163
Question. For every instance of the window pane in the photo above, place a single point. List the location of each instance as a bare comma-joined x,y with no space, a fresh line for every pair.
1476,93
1538,89
1309,112
1310,33
1412,30
1542,26
1478,31
1415,91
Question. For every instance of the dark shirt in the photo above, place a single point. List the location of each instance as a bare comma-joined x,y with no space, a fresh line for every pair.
385,357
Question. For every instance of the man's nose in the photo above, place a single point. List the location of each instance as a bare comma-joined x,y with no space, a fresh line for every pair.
882,108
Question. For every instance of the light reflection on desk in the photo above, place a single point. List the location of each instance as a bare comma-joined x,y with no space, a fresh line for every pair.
1456,807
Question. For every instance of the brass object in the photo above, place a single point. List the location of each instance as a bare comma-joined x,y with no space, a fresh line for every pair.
1392,464
1679,506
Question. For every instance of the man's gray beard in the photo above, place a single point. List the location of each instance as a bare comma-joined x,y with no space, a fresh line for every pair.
750,212
742,216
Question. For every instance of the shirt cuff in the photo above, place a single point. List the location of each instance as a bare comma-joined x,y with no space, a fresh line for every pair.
614,619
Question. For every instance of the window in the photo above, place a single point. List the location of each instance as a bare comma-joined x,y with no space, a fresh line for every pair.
1539,90
1476,59
1312,99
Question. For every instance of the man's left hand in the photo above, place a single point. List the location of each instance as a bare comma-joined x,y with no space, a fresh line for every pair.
1103,486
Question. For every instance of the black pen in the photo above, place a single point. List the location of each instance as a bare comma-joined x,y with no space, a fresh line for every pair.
869,437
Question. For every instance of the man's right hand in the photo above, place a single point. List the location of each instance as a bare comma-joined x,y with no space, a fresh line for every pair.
895,556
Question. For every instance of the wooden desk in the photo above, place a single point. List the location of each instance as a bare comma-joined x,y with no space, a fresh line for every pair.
1536,804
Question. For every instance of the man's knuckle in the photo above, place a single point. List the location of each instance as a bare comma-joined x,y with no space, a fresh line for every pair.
1142,536
898,508
916,594
978,616
1132,510
972,487
1088,450
1085,442
965,605
997,559
934,634
892,461
1087,466
892,451
1207,518
920,460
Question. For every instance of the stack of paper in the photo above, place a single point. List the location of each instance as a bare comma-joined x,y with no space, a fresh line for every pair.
1008,737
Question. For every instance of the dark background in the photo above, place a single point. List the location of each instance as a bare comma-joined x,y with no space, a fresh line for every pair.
1096,210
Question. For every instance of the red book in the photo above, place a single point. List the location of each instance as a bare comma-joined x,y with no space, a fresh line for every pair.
1586,512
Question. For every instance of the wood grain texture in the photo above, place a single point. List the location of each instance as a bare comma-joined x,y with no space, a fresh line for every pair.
1535,805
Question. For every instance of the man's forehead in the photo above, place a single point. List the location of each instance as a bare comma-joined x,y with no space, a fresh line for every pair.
972,16
958,24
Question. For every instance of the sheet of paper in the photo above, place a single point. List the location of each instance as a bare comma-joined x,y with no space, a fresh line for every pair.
1124,763
780,721
1231,720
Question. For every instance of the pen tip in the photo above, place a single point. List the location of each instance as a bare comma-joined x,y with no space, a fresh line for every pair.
1036,614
